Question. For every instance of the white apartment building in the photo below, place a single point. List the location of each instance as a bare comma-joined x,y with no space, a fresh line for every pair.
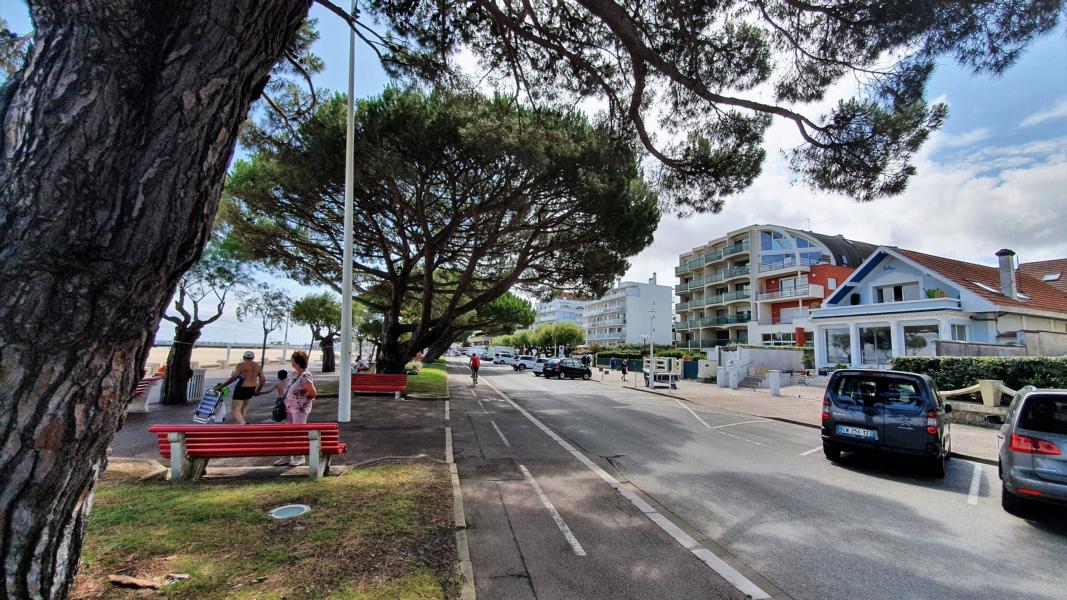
758,284
622,315
560,310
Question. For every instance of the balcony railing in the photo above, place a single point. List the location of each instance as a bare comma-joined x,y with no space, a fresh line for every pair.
786,261
789,319
712,256
738,295
736,272
702,344
605,336
800,291
589,324
734,249
694,283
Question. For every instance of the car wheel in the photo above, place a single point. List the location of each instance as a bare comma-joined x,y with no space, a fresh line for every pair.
586,377
831,451
1012,503
522,367
937,466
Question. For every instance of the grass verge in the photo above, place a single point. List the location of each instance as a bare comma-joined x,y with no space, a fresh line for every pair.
383,532
432,381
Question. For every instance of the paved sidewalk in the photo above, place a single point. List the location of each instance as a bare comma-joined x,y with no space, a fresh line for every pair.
975,443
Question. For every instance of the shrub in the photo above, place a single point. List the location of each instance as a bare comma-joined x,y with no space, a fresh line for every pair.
955,372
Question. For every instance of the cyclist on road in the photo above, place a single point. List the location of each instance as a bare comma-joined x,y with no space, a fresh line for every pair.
474,364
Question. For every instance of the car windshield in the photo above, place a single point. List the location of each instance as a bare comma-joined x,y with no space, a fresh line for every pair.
1047,414
868,390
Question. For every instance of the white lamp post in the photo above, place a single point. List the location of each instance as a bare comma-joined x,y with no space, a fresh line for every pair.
651,345
344,379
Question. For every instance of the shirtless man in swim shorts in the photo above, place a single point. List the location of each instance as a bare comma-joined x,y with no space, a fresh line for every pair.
251,385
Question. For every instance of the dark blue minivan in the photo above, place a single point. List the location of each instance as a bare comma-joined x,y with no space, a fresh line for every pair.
886,411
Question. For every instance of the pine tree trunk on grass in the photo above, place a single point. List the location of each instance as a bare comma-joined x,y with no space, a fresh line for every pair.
179,366
116,135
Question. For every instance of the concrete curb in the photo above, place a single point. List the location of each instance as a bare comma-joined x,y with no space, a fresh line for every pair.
977,459
466,568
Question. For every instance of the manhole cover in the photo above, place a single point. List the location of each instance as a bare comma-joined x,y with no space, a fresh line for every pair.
289,511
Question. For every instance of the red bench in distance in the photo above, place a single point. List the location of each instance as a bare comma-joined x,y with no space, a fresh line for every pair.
139,402
189,447
379,383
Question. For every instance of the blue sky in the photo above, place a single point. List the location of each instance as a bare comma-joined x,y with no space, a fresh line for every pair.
995,176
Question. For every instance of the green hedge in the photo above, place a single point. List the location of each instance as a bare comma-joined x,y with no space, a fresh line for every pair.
955,372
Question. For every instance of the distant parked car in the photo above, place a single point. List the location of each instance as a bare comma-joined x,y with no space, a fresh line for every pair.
538,367
567,367
887,411
1033,442
503,358
523,362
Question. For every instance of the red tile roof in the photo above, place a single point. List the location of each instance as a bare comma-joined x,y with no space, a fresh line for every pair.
1041,296
1041,268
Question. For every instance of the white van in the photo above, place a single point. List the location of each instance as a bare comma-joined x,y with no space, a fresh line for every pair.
503,358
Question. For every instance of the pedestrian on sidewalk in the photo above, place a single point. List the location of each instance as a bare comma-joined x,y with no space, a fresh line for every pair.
623,369
299,395
279,389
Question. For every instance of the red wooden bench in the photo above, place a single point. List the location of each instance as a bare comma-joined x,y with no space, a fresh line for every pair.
139,403
379,383
189,447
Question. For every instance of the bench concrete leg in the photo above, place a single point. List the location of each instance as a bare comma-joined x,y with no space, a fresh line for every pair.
396,395
316,464
139,404
180,466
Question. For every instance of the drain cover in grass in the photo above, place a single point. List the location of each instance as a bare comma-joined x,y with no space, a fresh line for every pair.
289,511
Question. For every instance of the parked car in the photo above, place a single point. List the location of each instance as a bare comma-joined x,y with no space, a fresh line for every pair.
538,367
523,362
567,367
503,358
1033,443
886,411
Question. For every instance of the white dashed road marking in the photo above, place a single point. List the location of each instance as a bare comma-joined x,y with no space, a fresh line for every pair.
573,541
812,451
741,423
695,416
500,433
976,484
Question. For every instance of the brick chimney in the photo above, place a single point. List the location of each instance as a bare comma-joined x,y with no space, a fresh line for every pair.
1007,272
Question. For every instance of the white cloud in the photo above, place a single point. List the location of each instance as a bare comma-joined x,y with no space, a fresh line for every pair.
1058,111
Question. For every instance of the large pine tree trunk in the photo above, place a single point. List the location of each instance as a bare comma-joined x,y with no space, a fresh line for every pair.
179,366
329,362
114,140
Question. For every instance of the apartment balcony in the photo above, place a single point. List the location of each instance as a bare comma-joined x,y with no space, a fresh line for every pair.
786,262
735,249
796,318
695,283
810,290
736,272
598,337
702,344
604,322
735,296
682,268
604,310
712,257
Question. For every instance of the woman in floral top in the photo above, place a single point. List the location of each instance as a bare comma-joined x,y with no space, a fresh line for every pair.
298,398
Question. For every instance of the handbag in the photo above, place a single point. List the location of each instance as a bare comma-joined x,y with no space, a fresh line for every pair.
278,414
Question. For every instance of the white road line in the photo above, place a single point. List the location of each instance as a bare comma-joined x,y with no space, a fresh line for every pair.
500,433
447,415
708,557
812,451
743,439
473,393
976,484
482,407
573,541
695,416
742,423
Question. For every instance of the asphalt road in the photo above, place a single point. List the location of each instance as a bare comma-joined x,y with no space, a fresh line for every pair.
757,493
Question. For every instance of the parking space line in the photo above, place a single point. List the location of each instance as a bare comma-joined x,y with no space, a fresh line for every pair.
812,451
742,423
737,437
976,484
573,541
695,416
500,433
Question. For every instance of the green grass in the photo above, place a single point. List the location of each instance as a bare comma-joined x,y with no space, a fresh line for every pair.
382,532
432,381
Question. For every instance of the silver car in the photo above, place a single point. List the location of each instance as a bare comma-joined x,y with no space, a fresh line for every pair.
1033,448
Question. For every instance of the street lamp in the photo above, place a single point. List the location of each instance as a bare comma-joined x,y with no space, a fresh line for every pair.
344,379
651,345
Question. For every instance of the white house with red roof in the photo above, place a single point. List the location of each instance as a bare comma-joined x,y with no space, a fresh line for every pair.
899,302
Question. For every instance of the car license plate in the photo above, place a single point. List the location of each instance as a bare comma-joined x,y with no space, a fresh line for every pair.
869,434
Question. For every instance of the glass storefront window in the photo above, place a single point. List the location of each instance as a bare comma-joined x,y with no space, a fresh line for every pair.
838,347
876,345
919,340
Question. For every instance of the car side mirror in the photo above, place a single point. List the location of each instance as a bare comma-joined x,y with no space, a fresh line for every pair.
994,419
948,408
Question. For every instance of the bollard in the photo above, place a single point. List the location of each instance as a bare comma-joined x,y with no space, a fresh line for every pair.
774,381
733,376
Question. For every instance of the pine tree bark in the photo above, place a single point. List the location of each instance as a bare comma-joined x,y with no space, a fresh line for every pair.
116,135
179,366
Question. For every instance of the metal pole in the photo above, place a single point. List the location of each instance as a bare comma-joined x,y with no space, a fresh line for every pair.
651,346
344,379
285,340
